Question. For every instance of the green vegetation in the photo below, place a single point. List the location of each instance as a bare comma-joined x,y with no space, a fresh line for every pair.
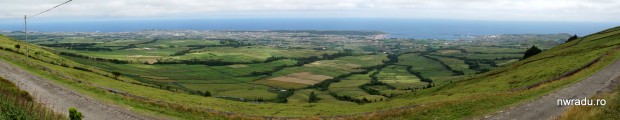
531,52
313,98
428,68
74,114
423,79
399,78
609,111
16,104
574,37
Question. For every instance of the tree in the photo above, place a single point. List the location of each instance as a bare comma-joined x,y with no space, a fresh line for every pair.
531,52
313,98
207,94
116,74
17,46
574,37
74,114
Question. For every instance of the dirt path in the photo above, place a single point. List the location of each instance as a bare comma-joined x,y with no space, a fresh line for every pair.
546,107
60,99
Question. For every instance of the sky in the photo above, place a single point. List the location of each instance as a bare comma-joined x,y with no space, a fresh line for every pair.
493,10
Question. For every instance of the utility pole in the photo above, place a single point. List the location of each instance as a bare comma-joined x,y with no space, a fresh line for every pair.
26,24
26,34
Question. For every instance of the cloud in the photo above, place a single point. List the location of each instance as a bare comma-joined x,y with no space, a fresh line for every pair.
522,10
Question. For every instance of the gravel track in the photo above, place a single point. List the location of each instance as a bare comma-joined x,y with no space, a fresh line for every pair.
60,99
546,107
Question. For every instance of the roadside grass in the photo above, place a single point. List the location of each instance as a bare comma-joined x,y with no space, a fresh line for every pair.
610,111
16,104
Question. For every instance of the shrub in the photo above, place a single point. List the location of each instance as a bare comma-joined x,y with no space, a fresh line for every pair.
313,98
207,94
116,74
574,37
531,52
74,114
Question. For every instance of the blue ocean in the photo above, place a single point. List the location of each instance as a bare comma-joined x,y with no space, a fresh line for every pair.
397,28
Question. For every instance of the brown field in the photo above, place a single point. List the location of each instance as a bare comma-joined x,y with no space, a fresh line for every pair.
353,66
294,80
306,78
280,84
238,66
448,51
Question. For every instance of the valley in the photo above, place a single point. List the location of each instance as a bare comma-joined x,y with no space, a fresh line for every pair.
364,76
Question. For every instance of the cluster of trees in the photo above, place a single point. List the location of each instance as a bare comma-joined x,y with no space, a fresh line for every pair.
312,98
268,73
95,58
78,46
69,45
531,52
191,47
306,60
574,37
349,98
283,96
374,82
325,84
419,75
205,93
82,69
475,64
234,43
91,48
134,45
210,62
129,46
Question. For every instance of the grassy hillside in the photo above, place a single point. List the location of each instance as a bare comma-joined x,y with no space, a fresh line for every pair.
469,97
16,104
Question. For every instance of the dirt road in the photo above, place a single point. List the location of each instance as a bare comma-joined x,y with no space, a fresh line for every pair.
546,107
60,99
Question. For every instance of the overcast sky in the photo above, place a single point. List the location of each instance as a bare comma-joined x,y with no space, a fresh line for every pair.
500,10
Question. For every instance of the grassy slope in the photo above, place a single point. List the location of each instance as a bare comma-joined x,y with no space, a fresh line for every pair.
489,92
16,104
478,95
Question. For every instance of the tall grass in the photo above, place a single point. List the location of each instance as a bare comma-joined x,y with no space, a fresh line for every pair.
610,111
16,104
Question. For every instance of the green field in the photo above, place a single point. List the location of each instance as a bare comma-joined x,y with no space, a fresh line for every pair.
400,78
427,67
248,53
170,89
456,64
350,87
491,50
328,68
